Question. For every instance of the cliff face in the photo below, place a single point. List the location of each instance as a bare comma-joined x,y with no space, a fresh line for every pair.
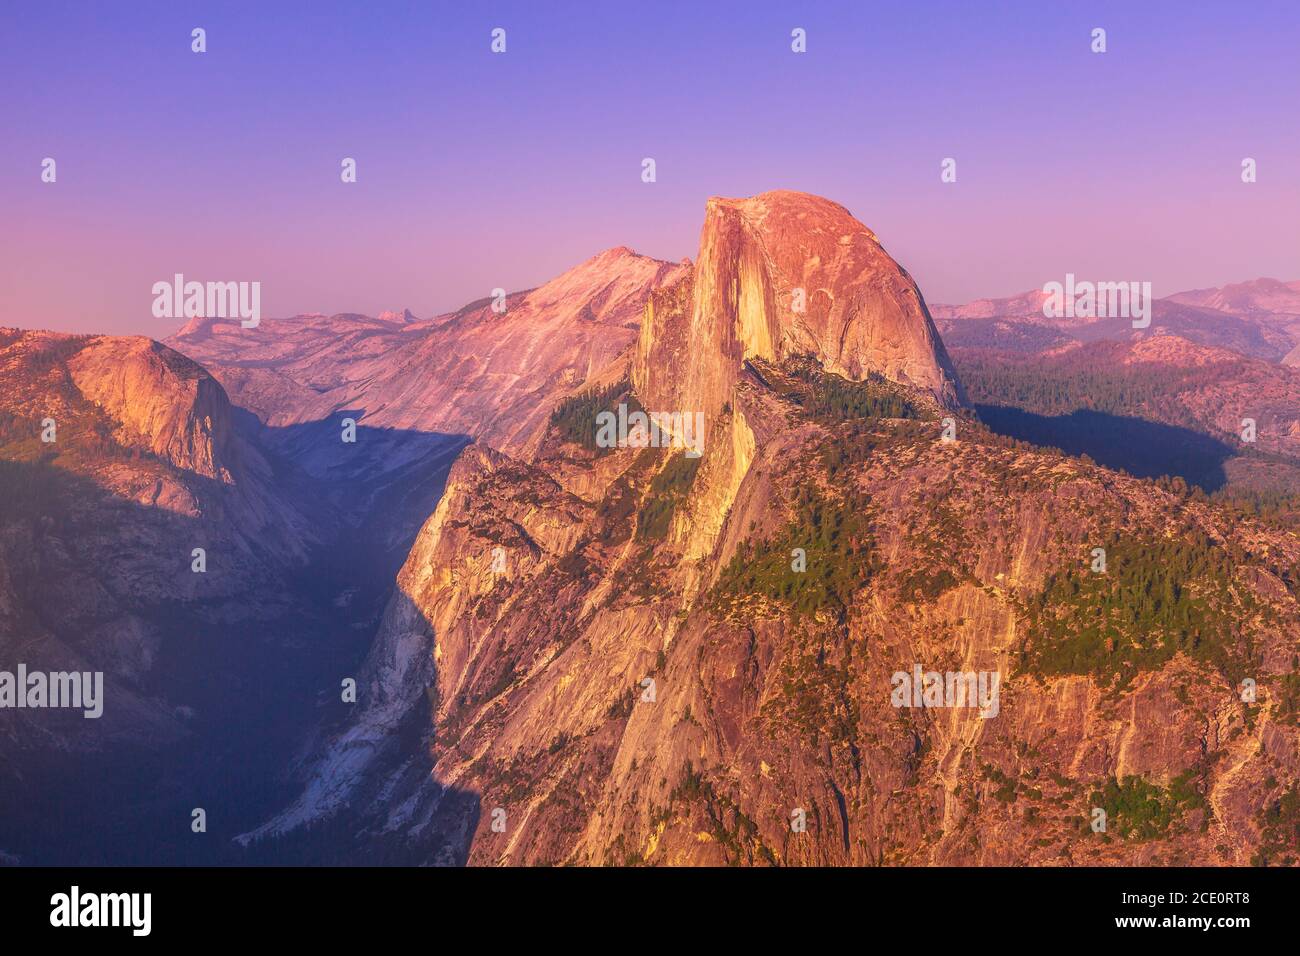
528,688
783,274
159,399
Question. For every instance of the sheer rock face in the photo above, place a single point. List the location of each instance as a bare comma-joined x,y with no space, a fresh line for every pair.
782,274
159,398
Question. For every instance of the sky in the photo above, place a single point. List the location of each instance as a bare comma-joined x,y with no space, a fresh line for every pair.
478,170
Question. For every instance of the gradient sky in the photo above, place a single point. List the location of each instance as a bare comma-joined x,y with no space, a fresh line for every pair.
478,170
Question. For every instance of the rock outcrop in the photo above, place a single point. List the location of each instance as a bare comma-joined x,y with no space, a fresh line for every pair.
783,274
160,399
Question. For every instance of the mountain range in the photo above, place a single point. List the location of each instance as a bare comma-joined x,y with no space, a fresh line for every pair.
570,653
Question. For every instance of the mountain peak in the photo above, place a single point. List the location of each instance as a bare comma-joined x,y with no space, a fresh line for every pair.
779,274
617,252
790,204
608,276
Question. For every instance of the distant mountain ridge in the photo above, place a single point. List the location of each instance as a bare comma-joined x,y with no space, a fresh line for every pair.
1260,318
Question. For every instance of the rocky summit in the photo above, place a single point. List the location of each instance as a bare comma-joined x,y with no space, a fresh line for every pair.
779,275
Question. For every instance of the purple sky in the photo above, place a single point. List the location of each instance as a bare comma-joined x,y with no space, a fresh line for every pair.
478,170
